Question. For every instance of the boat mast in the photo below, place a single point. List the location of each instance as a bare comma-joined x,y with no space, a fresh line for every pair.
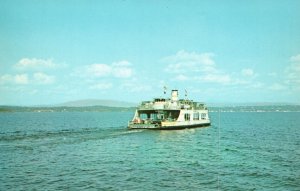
165,91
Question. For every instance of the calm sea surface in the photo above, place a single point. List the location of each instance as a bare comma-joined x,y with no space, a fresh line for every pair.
95,151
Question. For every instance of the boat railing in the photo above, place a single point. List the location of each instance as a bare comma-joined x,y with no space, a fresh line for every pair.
181,104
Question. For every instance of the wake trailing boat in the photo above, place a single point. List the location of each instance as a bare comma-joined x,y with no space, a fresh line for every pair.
169,114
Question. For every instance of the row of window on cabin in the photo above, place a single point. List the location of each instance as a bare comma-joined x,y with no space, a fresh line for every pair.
187,116
155,116
196,116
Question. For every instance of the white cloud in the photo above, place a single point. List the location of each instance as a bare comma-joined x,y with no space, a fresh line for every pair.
6,78
98,70
18,79
42,78
295,58
248,72
122,72
202,68
120,69
21,79
101,86
25,79
198,66
277,87
122,63
184,61
292,72
35,64
184,56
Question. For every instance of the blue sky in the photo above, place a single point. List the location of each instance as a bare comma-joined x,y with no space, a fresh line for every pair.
220,51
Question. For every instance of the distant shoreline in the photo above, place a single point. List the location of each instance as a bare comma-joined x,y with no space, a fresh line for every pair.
63,109
99,108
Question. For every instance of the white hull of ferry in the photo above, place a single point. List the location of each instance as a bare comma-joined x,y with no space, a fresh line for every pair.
171,125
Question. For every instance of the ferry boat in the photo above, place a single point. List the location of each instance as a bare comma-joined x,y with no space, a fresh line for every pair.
169,114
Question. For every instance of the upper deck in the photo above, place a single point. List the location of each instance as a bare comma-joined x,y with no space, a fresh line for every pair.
168,104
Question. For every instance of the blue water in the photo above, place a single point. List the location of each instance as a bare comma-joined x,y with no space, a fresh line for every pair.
95,151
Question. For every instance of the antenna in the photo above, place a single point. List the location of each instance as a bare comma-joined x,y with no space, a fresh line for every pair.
165,90
185,94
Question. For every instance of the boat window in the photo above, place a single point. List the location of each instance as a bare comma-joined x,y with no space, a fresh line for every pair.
196,116
160,116
153,116
203,115
187,117
171,115
143,116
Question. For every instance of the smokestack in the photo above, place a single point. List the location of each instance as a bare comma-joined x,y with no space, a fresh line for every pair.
174,95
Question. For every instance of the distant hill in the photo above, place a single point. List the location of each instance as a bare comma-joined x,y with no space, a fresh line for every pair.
97,102
64,109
